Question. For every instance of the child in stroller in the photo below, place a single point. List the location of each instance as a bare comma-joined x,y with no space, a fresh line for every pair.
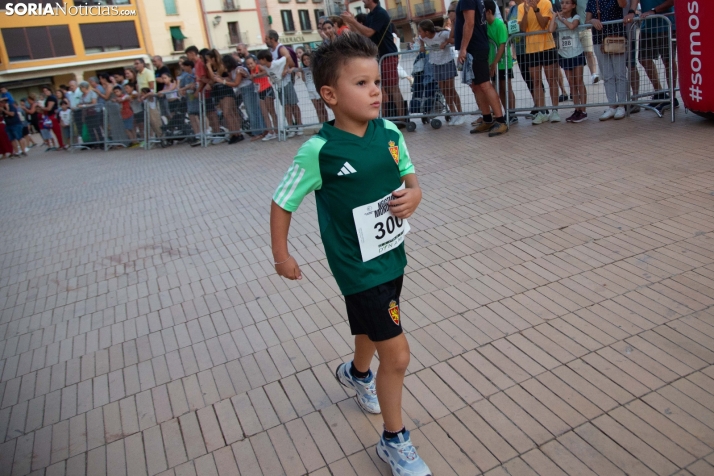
427,99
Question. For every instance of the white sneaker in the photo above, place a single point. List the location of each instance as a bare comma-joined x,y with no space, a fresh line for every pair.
291,134
300,131
217,140
554,116
27,149
620,113
539,118
402,456
269,136
595,78
608,114
458,120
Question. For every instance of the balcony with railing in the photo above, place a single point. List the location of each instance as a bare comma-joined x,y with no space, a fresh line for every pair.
233,38
397,13
230,5
427,8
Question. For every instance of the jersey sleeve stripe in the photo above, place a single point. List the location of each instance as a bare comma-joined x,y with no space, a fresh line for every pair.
287,179
292,189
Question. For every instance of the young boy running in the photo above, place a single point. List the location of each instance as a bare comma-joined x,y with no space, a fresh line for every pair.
355,165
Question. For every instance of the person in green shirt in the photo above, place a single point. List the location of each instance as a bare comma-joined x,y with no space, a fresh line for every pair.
358,166
499,57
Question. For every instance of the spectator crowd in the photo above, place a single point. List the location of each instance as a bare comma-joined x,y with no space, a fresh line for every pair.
255,94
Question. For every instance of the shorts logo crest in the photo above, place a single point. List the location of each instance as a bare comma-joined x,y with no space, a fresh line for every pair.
394,312
394,150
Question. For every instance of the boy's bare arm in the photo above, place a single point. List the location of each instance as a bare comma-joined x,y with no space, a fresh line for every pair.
407,199
286,266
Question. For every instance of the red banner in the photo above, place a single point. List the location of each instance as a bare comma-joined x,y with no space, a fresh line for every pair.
695,51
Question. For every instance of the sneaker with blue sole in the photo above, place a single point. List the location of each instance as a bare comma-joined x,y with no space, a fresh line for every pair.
401,455
366,388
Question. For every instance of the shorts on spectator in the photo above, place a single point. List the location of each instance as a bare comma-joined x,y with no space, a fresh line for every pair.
221,91
25,131
480,66
139,117
572,63
266,93
445,71
586,39
66,134
502,75
542,58
46,134
313,94
653,47
287,95
14,132
129,124
390,73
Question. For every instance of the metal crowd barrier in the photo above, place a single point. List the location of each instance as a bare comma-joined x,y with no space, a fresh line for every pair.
632,88
88,128
423,97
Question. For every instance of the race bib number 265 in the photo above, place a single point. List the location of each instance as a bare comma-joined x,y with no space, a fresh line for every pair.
378,230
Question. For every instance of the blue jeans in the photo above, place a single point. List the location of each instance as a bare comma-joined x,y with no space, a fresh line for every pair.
252,105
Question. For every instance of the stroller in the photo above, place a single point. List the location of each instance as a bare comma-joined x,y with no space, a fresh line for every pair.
426,95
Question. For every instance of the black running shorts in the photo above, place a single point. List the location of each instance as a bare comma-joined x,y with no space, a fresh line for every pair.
375,311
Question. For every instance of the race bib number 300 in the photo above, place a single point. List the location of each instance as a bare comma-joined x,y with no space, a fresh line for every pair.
378,230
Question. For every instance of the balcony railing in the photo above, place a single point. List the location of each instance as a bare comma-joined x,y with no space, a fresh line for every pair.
398,13
424,9
230,5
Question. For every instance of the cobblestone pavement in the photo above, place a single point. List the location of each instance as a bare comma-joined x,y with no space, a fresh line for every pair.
558,303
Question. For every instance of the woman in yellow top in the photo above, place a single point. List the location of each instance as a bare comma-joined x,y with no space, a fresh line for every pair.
541,54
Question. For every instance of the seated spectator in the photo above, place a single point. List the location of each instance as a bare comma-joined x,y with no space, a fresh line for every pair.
266,94
311,91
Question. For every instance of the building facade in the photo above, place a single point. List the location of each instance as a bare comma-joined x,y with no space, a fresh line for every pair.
296,21
53,45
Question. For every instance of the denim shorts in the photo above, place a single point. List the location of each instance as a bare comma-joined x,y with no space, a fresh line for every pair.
572,63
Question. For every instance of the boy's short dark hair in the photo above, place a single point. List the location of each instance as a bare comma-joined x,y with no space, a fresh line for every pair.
188,62
427,26
265,55
191,49
490,6
116,87
330,58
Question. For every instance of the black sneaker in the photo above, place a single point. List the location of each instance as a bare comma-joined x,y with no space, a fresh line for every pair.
563,98
657,97
235,139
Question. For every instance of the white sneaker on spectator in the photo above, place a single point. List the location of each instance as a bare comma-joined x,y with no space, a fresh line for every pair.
269,136
539,118
608,114
620,113
217,140
554,116
300,131
595,78
291,134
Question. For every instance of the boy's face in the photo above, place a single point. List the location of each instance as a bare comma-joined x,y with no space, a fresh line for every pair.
64,106
118,93
128,89
357,94
263,62
489,17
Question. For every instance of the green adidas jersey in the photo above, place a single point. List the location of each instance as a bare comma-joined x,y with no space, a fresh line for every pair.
346,172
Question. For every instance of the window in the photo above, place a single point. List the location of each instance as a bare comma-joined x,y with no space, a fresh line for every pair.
110,36
318,14
37,42
234,32
177,38
304,20
288,23
230,5
170,7
359,10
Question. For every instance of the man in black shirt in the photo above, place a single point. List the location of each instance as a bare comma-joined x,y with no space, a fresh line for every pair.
470,37
377,28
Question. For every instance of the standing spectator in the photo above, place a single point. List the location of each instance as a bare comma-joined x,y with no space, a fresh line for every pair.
654,44
187,88
320,23
127,114
586,39
50,112
90,117
242,51
211,94
471,39
160,69
226,76
130,75
541,54
247,91
120,78
444,67
613,66
115,122
5,145
499,57
378,28
32,111
317,101
339,24
519,45
150,100
572,59
266,96
13,125
289,98
144,77
329,31
65,116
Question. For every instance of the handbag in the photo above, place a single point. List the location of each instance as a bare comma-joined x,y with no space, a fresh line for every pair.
611,45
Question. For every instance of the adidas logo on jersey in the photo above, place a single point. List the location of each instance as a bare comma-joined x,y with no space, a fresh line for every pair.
346,169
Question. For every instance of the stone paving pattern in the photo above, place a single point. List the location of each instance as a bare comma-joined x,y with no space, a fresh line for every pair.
558,303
